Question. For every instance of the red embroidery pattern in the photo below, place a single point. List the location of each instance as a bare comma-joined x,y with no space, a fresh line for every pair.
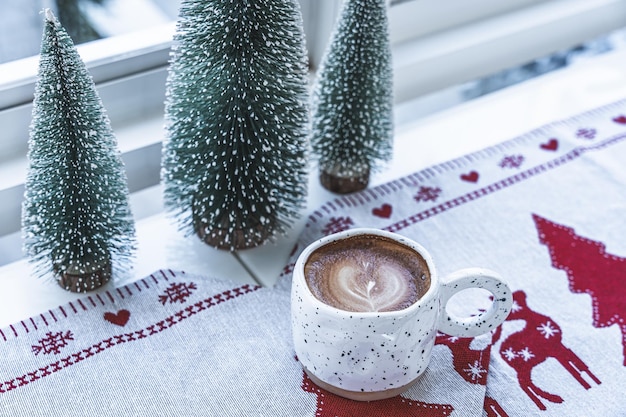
586,133
470,176
471,364
539,340
499,185
551,145
493,408
53,343
425,194
511,161
178,292
331,405
119,339
83,305
337,224
621,119
120,318
589,270
383,211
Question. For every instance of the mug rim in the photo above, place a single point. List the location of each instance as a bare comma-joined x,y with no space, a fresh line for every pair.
298,272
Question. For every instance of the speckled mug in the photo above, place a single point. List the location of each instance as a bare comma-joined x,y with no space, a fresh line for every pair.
368,356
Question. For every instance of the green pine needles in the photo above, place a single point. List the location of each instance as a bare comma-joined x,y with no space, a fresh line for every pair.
352,122
76,218
234,164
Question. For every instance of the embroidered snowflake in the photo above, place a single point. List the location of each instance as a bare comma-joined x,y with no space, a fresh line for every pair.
337,224
475,370
177,293
53,343
511,161
586,133
548,329
526,354
509,354
427,194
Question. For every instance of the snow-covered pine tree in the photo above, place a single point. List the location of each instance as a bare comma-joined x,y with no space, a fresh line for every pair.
76,218
352,104
234,158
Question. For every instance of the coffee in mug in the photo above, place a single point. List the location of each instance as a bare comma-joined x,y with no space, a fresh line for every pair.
366,306
367,273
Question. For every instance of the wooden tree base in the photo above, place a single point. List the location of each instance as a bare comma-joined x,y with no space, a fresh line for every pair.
237,239
340,184
79,282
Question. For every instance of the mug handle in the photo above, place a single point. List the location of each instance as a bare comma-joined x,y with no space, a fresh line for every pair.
485,321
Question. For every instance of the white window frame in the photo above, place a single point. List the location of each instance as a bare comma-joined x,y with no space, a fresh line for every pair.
436,44
460,40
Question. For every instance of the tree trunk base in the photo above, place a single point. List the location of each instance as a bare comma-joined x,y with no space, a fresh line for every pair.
341,184
236,239
79,282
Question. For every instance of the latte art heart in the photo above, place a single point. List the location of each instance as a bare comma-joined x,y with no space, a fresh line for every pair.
369,286
367,278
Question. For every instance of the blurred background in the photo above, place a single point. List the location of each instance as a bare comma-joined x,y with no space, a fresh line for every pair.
89,20
84,20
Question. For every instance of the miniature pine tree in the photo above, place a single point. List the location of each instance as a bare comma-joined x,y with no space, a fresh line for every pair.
76,218
234,164
353,99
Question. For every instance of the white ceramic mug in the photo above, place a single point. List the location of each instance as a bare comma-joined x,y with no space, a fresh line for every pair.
375,355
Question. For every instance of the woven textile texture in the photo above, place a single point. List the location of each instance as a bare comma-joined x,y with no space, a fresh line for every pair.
545,210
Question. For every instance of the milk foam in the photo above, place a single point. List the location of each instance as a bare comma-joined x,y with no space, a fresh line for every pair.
367,277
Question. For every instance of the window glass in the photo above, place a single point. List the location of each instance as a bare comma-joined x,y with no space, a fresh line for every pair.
21,22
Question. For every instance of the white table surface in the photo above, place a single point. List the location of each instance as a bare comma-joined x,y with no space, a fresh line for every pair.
418,144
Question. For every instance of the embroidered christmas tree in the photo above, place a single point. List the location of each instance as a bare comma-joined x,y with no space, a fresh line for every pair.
234,164
591,270
76,216
353,98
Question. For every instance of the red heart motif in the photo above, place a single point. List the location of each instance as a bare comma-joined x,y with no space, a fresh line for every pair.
470,176
621,119
383,211
120,318
551,145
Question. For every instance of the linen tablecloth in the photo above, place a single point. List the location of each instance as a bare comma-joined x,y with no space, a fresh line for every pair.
546,210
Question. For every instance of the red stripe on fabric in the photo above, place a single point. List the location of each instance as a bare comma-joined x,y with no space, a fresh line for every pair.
168,322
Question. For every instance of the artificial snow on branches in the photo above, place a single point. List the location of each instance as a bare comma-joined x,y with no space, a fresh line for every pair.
234,165
76,218
352,123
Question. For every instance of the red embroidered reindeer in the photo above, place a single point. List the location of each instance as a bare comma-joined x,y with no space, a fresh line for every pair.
589,270
471,364
539,340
